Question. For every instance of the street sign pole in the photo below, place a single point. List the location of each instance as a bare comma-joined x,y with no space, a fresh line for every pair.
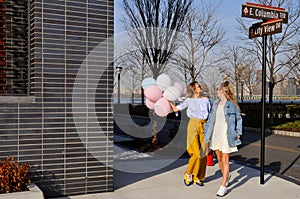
272,17
263,100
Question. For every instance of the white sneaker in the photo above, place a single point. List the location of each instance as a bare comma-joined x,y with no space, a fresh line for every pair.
222,191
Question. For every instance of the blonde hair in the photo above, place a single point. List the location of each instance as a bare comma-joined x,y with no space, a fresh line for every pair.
228,92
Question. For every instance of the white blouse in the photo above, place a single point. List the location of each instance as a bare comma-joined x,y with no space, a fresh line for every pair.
196,107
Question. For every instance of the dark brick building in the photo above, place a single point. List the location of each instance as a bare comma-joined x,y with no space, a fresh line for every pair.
56,83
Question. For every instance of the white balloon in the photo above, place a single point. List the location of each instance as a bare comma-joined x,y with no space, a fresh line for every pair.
163,81
172,93
148,82
180,87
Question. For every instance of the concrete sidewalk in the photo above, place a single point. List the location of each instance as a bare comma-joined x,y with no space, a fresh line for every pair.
167,182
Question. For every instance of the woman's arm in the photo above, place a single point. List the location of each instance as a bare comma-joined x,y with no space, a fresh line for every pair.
173,107
239,123
181,106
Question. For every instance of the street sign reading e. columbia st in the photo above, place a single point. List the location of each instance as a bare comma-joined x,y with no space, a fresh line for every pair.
265,28
257,11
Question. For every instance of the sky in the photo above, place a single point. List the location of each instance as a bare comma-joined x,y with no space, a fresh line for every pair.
228,11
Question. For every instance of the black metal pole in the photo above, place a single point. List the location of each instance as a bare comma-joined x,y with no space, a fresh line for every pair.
119,90
142,96
262,146
242,92
143,68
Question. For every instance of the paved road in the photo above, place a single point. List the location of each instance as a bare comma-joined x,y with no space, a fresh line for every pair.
282,153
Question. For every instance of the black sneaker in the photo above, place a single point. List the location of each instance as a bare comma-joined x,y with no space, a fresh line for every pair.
188,180
199,183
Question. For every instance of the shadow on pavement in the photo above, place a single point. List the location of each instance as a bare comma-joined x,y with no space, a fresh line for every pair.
122,179
242,177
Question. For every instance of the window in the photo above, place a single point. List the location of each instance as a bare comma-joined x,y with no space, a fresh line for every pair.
14,67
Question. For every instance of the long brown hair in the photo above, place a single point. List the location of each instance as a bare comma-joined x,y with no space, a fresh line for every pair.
190,89
228,92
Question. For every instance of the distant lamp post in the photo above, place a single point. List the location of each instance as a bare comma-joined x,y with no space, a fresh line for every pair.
242,92
119,69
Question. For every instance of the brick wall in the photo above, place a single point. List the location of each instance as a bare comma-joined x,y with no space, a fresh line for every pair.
64,129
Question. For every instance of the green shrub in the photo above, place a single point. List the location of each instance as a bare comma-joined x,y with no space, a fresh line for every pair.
293,110
276,115
290,126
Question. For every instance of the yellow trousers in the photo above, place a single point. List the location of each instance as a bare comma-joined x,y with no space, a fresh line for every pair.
197,149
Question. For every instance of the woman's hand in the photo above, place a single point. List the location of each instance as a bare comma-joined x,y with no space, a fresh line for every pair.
173,107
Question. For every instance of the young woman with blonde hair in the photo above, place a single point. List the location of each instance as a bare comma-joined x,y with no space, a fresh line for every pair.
198,108
223,130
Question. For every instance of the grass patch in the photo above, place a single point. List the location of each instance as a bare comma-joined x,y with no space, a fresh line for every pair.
290,126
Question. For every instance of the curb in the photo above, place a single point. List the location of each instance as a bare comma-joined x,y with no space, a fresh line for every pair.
272,131
250,129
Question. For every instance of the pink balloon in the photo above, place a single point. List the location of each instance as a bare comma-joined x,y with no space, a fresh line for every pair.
179,87
150,104
162,107
153,93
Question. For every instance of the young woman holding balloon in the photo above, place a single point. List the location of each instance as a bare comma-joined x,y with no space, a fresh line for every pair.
198,108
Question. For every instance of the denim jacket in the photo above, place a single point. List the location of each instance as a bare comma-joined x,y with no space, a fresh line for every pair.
233,120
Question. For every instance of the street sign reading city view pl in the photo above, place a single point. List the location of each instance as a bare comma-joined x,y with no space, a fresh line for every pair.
265,28
258,11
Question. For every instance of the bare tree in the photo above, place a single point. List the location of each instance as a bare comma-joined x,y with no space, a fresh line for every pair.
132,80
239,66
134,70
281,48
154,26
248,76
203,34
212,80
294,62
